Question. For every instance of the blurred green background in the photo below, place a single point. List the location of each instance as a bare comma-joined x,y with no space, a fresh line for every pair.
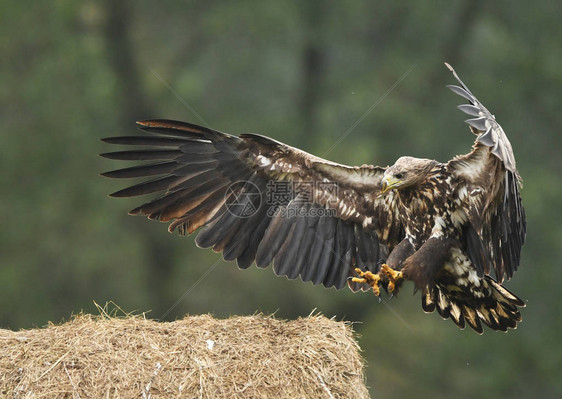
304,73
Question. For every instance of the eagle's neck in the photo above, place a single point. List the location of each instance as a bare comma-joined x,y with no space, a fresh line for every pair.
425,189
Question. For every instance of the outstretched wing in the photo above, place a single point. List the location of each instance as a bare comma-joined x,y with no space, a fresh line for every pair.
261,200
488,190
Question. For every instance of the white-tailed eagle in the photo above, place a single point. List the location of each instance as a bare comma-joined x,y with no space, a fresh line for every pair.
444,226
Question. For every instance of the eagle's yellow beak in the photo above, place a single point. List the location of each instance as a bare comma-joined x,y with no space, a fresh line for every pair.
388,183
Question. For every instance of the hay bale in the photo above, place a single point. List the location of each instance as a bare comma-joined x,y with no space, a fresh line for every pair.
197,357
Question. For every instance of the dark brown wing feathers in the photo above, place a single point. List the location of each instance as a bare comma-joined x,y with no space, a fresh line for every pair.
197,167
489,192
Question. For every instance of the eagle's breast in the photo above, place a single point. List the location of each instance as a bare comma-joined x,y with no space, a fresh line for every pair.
427,207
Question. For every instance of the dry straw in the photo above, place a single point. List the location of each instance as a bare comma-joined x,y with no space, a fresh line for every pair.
196,357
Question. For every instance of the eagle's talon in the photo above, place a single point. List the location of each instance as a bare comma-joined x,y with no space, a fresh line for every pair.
367,277
393,276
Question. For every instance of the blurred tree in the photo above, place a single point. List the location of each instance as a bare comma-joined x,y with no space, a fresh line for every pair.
313,67
133,106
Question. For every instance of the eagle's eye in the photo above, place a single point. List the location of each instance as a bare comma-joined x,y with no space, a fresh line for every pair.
399,175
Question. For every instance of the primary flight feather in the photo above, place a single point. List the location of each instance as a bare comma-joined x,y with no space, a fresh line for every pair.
444,226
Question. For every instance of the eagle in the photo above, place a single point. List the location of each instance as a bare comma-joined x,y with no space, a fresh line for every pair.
444,226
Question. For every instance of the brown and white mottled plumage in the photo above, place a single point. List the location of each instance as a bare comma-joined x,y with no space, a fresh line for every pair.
444,226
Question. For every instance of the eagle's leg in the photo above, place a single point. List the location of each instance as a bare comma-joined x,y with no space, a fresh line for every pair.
368,277
390,269
393,276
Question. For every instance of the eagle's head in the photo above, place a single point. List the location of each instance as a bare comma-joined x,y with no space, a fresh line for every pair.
406,172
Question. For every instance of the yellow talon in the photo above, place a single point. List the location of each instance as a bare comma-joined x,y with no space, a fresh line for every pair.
393,276
368,278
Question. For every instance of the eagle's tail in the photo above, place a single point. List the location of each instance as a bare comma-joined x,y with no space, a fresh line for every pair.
488,303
